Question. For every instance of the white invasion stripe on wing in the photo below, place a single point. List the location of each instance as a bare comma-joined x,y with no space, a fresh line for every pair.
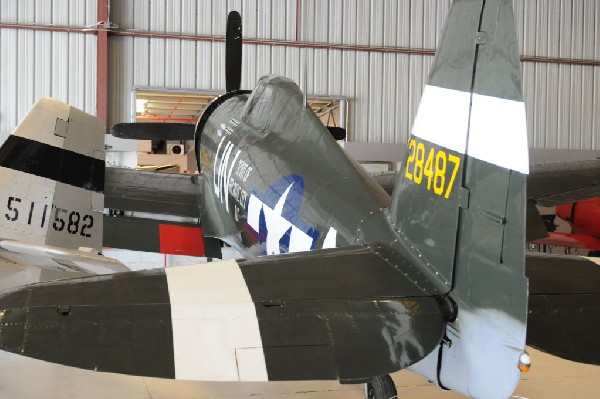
215,329
443,117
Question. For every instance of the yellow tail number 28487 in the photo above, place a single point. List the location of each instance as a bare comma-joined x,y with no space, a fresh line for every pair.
431,165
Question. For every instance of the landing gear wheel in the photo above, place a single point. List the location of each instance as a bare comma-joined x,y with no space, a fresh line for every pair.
381,388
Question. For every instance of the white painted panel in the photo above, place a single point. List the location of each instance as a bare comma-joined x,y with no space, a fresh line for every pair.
319,73
361,98
349,89
320,22
90,74
25,78
349,28
263,62
60,12
429,29
596,115
264,19
334,72
376,25
278,60
575,107
529,97
552,100
279,19
292,63
173,16
173,62
76,70
249,70
204,22
250,16
291,18
586,112
390,22
363,22
375,95
389,100
590,25
416,24
403,29
188,64
42,60
540,107
26,11
336,21
204,78
403,118
157,64
141,60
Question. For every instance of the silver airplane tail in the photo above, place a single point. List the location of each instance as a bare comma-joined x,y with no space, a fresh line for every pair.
460,198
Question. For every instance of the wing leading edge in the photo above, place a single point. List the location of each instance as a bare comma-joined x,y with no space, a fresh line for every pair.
293,317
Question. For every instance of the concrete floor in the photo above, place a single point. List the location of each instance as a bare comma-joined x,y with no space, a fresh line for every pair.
22,378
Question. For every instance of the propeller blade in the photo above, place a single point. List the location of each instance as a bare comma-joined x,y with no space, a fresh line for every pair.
153,131
233,52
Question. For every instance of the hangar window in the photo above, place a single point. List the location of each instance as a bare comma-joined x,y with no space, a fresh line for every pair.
164,105
151,104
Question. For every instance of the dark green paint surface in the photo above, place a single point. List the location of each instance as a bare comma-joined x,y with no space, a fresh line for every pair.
119,323
347,340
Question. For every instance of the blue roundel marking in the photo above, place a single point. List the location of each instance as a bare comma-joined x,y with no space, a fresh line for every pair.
273,217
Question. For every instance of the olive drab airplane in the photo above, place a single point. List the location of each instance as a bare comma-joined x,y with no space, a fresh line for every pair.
51,194
354,283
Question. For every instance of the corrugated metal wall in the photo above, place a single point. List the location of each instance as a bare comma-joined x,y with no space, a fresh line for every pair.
383,88
36,64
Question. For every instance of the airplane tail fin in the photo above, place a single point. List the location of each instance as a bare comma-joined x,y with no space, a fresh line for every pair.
52,178
460,196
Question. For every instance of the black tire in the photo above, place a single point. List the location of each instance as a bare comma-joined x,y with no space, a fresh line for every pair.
381,388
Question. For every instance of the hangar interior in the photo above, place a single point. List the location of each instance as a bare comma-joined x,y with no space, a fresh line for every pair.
362,63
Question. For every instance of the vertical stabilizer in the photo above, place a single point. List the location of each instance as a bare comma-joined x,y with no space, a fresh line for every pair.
460,196
52,178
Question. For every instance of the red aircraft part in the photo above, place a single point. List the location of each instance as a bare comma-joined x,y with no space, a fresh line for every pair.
181,240
570,241
584,216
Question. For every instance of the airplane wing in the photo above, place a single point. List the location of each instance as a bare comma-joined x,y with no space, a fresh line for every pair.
57,258
548,184
165,213
556,183
564,306
288,317
151,192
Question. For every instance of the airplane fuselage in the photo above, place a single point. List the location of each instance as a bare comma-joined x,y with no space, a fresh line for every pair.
274,197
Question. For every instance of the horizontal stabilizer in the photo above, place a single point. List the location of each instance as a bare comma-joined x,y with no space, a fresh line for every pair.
233,321
564,306
153,131
151,192
55,258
